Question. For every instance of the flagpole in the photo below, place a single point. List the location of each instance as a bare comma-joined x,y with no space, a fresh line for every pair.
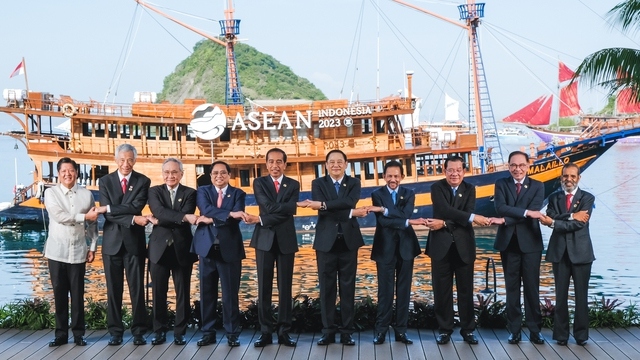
24,66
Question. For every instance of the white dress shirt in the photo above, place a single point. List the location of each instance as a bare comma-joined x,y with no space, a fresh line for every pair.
67,237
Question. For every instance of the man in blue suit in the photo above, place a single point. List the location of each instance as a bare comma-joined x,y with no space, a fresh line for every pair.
218,243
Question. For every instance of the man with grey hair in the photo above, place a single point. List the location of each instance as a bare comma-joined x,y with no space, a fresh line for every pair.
123,195
172,205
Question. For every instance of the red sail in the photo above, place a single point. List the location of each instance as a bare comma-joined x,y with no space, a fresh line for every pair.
569,100
565,73
529,114
625,104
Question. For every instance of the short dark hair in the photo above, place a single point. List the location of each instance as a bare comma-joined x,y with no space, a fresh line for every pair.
336,151
571,165
517,152
454,158
66,160
394,163
223,163
284,154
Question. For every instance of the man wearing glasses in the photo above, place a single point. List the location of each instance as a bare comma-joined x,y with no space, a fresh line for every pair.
218,243
518,200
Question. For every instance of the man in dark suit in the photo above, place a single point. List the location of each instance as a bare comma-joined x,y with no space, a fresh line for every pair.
276,243
571,252
172,205
337,241
518,200
123,195
452,248
218,243
395,245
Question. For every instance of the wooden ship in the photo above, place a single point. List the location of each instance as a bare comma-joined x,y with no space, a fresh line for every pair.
240,133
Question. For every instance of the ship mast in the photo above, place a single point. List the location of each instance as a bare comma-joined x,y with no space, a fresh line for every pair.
229,29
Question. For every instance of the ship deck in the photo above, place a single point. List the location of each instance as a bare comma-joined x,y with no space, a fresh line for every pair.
604,343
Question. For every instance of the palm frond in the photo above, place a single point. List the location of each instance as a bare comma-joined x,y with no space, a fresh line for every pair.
626,14
612,69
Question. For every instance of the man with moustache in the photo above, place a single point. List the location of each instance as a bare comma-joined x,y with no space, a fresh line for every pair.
452,248
518,200
571,253
72,219
218,243
172,205
395,245
276,243
337,241
123,195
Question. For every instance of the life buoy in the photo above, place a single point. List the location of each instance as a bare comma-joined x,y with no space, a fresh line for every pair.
68,110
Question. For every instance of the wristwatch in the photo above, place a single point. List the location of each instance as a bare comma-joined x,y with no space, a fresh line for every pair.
323,206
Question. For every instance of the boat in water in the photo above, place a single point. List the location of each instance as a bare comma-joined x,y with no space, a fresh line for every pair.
240,133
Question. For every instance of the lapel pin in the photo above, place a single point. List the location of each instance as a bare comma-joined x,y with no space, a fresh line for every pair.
284,185
459,195
401,197
575,205
180,200
130,188
526,186
228,195
345,185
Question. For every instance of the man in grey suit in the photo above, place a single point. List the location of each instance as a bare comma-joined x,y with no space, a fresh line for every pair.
518,200
571,252
337,241
395,245
218,243
276,243
123,195
172,205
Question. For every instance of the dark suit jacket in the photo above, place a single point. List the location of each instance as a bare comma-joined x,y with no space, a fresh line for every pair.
170,223
276,212
391,229
118,225
455,213
339,205
225,228
512,208
570,235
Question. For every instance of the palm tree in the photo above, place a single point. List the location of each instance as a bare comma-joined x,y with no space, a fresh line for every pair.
616,68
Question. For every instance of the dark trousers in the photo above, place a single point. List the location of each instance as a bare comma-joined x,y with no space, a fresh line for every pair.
442,273
265,262
114,268
395,275
68,279
519,267
160,273
562,272
341,265
213,269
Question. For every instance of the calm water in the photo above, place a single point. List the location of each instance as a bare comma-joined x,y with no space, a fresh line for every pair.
614,179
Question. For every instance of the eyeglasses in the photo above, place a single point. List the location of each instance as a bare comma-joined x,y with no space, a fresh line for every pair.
518,166
221,173
170,173
454,171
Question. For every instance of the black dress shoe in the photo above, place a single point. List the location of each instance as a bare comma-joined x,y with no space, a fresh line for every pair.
443,339
160,338
470,338
79,340
58,341
139,340
402,337
179,340
581,342
346,339
514,338
379,338
207,340
286,340
536,338
263,340
115,340
327,339
562,342
232,340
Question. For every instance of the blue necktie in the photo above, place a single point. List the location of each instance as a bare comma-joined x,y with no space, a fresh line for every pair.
337,185
393,197
454,192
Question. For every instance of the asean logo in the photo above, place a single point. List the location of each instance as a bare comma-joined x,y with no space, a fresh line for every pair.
208,122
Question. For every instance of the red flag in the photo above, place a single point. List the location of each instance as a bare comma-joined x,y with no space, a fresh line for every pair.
565,73
18,71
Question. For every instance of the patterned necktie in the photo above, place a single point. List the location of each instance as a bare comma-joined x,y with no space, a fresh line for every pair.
124,185
569,197
337,185
393,197
277,184
518,187
220,196
173,196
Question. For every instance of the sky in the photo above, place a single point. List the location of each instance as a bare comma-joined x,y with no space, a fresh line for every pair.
77,48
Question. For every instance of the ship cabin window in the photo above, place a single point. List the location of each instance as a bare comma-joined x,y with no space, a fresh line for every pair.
380,169
302,134
274,136
136,131
124,131
244,177
366,126
407,167
347,170
87,128
350,131
190,135
226,135
113,131
369,170
151,132
288,134
356,170
99,128
165,131
320,170
380,127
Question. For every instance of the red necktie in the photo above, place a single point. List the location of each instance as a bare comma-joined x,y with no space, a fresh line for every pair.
569,196
220,195
124,185
518,187
277,184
